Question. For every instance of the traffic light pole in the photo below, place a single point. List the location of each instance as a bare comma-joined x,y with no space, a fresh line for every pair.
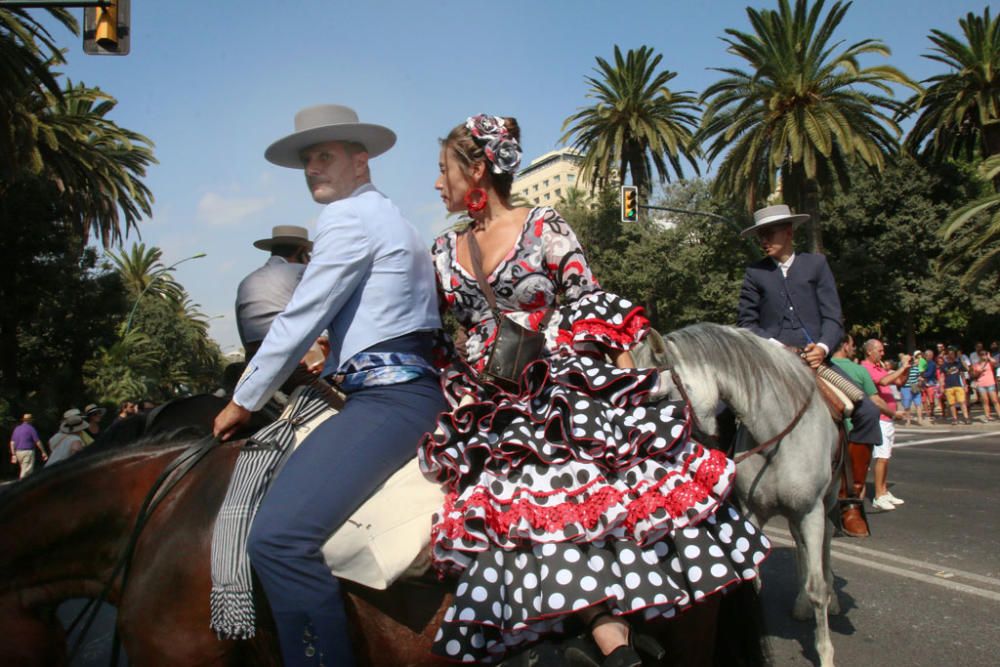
54,4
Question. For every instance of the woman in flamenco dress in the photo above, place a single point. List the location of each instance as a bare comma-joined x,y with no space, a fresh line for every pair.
579,497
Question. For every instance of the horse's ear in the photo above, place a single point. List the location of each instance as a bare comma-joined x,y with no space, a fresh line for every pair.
651,351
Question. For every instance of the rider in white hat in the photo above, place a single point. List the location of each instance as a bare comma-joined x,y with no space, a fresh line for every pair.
370,284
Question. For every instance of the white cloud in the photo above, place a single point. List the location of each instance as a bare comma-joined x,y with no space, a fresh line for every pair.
216,209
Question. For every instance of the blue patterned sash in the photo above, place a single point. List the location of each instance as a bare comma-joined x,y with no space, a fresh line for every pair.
375,369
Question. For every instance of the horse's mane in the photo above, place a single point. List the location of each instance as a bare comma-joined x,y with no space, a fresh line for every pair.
93,457
727,350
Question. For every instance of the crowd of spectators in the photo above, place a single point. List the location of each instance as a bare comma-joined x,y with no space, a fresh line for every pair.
942,384
77,429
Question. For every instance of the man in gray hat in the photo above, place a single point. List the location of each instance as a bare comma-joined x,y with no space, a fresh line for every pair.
267,290
791,299
371,285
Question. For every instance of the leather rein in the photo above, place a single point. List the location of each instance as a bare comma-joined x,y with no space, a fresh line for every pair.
762,446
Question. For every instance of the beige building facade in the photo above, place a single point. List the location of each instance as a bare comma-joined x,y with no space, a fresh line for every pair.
547,179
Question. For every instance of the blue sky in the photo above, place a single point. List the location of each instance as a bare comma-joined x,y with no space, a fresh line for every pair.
214,83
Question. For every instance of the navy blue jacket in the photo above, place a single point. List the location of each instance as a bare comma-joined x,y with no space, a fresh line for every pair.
766,297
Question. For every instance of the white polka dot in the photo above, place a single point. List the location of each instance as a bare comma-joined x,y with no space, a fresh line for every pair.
549,549
580,418
544,571
491,575
508,611
749,573
649,557
582,405
758,556
462,587
661,549
616,569
694,574
633,580
588,583
638,603
677,430
497,609
716,551
508,577
595,563
743,544
572,556
478,641
530,580
660,598
521,560
453,647
563,577
580,604
556,601
519,596
719,570
737,556
675,565
726,533
627,556
691,551
655,578
690,533
479,594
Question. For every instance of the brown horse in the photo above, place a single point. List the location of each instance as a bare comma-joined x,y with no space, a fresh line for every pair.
63,531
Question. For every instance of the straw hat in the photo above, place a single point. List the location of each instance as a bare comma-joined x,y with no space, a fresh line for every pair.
328,122
769,216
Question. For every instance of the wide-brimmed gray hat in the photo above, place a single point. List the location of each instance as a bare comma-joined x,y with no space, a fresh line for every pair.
769,216
94,410
285,235
328,122
73,422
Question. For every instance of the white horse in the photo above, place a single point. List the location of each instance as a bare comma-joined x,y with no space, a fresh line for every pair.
771,392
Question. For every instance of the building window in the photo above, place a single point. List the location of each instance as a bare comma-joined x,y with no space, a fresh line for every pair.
558,192
536,200
547,196
570,177
525,192
546,183
536,187
555,179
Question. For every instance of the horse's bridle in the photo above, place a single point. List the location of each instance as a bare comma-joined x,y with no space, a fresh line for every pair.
762,446
181,465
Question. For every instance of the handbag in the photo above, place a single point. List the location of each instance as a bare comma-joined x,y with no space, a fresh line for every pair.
514,346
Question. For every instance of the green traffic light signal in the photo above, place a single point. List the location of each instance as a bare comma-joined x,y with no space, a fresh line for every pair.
630,203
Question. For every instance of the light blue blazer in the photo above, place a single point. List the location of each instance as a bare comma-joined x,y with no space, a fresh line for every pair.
370,279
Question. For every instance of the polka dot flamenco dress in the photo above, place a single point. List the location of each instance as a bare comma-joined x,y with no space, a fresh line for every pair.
578,490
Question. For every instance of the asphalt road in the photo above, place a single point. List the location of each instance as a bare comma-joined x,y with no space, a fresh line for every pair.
924,589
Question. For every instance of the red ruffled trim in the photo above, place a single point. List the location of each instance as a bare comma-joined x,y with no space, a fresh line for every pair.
556,518
625,334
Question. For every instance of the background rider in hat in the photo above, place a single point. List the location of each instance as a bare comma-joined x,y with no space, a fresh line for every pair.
791,299
267,290
371,285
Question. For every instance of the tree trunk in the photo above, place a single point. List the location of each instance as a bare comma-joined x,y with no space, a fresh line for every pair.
991,147
810,205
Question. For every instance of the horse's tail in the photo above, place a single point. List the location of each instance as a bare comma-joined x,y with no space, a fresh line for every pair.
740,634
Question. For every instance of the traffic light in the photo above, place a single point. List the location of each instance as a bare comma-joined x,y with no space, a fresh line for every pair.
630,203
106,28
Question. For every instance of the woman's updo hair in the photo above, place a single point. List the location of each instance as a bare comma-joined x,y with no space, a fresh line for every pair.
470,149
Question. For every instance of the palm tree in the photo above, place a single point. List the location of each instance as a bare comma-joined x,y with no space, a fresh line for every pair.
636,119
801,111
960,110
96,164
981,221
142,272
27,52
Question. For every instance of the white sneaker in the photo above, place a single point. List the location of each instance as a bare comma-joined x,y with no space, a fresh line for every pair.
893,499
883,503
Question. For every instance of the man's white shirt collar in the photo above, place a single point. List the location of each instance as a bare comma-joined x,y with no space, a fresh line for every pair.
784,266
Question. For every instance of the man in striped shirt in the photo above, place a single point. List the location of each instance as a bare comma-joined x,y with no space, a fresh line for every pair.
910,391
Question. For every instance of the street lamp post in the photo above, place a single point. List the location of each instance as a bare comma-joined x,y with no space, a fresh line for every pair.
156,276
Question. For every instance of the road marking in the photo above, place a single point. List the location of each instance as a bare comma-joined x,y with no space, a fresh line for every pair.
957,451
941,576
929,441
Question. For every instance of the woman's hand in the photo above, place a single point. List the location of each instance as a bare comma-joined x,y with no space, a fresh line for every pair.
624,360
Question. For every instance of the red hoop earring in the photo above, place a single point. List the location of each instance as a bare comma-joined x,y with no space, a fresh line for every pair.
475,200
